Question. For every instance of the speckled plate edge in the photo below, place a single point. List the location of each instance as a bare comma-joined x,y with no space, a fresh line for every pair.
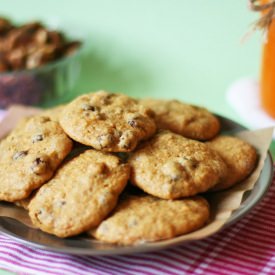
84,246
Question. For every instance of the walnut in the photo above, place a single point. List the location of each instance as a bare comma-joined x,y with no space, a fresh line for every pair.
5,25
31,45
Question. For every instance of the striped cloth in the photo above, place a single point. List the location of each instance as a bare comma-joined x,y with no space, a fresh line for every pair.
247,247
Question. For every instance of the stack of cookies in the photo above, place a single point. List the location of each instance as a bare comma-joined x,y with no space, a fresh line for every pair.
124,171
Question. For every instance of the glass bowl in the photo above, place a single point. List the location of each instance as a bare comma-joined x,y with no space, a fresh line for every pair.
41,85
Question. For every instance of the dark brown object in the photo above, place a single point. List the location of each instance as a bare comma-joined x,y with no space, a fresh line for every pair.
31,45
5,25
24,48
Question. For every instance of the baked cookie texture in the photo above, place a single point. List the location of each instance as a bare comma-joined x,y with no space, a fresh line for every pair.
107,122
24,203
139,219
187,120
81,194
170,166
53,113
239,156
30,155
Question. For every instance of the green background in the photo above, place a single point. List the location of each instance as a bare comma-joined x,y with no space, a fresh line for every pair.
190,50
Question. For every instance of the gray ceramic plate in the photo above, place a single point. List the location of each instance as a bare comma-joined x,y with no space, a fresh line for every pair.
83,245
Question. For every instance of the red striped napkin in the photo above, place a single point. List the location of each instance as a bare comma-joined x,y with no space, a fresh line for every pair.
246,247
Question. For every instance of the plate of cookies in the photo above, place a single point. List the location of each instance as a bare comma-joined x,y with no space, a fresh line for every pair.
109,174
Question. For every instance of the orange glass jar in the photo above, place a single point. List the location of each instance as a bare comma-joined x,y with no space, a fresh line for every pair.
267,83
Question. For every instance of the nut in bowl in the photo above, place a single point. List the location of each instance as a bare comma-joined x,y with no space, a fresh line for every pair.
36,64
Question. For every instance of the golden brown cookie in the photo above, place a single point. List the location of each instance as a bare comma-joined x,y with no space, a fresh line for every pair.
107,122
187,120
83,191
139,219
30,155
239,156
170,166
24,203
53,113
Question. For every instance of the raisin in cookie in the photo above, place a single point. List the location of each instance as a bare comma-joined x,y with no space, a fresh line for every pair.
187,120
83,191
139,219
239,156
170,166
30,155
107,122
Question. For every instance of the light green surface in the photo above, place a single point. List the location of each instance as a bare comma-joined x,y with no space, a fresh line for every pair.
188,50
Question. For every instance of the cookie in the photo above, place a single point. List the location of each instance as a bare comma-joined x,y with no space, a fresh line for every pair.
187,120
53,113
83,191
170,166
24,203
140,219
239,156
30,155
107,122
